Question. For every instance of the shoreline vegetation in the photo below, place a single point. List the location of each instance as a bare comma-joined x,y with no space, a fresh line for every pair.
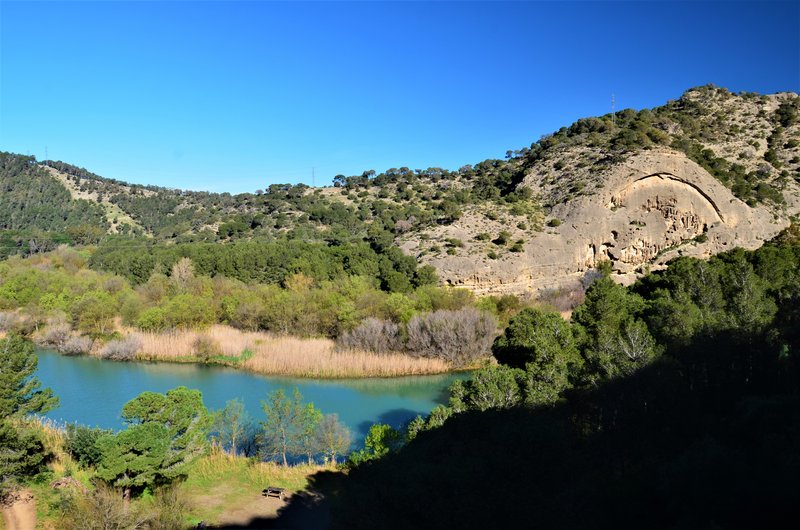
266,354
349,328
257,352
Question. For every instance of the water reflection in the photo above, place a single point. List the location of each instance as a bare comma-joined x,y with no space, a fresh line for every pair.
93,391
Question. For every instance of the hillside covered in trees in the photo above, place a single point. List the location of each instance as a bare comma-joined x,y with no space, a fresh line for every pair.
478,225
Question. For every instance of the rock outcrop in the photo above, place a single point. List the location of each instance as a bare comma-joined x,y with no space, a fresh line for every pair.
654,206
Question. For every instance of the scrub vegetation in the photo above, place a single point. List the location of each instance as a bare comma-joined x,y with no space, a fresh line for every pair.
301,326
747,141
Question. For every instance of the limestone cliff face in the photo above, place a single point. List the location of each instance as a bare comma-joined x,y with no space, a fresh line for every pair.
650,208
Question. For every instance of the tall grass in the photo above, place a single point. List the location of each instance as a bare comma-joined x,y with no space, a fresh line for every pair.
279,355
220,466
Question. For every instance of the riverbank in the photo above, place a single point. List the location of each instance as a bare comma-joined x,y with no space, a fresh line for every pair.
267,354
257,352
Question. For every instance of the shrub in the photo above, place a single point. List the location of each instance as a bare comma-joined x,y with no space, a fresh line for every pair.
22,325
502,238
152,319
454,242
554,222
102,508
81,443
54,336
483,236
76,346
122,349
458,337
205,348
374,335
7,321
189,311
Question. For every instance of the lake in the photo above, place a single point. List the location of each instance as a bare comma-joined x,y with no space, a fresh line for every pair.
93,391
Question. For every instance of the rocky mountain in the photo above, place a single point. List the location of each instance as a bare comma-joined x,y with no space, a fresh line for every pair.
713,171
707,172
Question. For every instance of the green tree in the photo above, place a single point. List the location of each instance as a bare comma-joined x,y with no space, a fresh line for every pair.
134,458
615,340
307,437
22,453
81,443
20,392
380,441
541,342
289,425
231,425
495,387
534,335
166,433
332,437
434,420
94,312
748,304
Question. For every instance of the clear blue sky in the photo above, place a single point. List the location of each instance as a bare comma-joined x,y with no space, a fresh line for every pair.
235,96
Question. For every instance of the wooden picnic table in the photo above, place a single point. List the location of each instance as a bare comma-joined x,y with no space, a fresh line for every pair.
272,491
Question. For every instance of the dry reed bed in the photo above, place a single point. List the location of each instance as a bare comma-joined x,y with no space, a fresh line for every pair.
278,355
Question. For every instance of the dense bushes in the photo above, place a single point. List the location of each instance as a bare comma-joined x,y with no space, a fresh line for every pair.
459,337
58,335
205,348
55,294
121,349
81,443
76,346
265,263
373,334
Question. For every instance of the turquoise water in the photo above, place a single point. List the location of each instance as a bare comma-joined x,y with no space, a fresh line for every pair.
93,391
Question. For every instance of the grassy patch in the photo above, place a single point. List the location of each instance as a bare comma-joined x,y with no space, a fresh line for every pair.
219,486
232,360
221,483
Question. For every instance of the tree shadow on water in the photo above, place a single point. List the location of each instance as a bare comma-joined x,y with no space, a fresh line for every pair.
395,418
